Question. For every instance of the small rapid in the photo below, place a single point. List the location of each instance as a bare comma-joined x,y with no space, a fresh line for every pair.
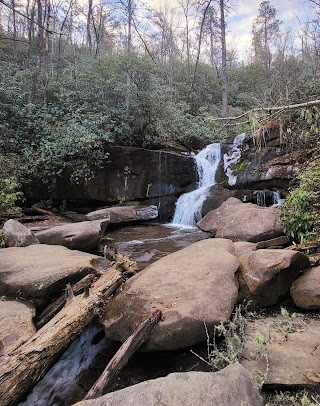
189,205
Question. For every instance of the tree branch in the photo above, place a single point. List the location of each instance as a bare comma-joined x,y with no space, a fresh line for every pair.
30,19
269,109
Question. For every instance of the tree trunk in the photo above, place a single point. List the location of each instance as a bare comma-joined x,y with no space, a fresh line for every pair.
121,358
20,371
224,75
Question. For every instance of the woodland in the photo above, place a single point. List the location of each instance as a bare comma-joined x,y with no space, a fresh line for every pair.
77,77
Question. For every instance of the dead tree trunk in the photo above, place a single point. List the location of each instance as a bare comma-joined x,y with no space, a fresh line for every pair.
20,371
121,358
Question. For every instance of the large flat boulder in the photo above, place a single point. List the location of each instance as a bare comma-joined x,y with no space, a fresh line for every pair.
190,286
283,350
239,221
41,271
267,275
16,325
305,291
84,236
16,234
232,386
125,214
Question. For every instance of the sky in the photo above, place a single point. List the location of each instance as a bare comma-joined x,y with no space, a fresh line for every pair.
239,21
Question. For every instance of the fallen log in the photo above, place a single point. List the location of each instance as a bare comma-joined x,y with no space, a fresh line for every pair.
20,371
122,356
54,307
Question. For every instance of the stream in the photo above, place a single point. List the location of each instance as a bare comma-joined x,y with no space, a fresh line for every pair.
71,377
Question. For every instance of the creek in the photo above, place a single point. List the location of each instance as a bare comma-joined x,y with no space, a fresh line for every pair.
79,367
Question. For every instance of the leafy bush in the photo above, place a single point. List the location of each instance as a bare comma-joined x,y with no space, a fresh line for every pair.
9,195
300,214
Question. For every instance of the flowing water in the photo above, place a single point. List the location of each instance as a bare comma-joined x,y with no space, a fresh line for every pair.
189,205
230,159
60,382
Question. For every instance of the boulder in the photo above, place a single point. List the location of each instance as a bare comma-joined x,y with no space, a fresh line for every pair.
283,350
40,272
305,291
244,247
16,234
267,275
194,285
84,236
232,386
218,195
125,214
16,325
239,221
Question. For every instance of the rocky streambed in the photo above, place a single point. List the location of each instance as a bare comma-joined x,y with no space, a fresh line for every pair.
196,280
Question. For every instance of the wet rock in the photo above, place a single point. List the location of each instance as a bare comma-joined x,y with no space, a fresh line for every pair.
16,325
239,221
267,275
130,173
125,214
40,272
305,291
292,350
190,286
219,195
84,236
232,386
16,234
267,166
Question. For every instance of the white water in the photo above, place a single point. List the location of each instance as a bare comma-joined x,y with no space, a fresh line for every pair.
61,378
229,160
189,205
276,198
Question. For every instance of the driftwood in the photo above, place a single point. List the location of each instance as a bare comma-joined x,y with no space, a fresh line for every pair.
54,307
121,358
128,266
20,371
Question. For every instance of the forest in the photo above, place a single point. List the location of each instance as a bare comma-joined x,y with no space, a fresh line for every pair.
78,76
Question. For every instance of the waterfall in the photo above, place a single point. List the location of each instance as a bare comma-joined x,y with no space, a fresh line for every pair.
261,198
229,160
188,207
276,198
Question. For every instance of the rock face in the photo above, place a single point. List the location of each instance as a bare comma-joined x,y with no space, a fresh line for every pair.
16,325
41,271
125,214
292,347
232,386
305,291
130,174
190,286
239,221
16,234
267,275
264,162
84,236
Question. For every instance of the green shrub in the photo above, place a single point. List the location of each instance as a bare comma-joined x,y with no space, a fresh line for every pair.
300,211
9,195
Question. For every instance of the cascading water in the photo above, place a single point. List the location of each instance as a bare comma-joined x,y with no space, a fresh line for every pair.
276,198
55,387
189,205
229,160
